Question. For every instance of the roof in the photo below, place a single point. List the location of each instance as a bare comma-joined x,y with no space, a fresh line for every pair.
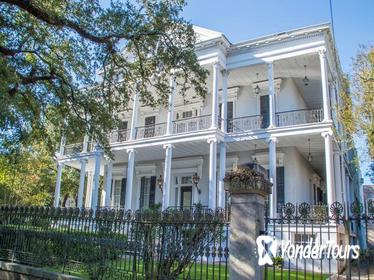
204,34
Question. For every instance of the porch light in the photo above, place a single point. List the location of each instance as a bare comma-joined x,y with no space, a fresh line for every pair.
160,182
305,80
196,180
309,154
257,88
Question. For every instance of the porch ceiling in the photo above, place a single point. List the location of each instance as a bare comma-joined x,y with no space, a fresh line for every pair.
317,149
286,68
298,141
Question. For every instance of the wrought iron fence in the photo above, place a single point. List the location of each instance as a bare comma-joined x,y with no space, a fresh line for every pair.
319,225
149,131
118,136
110,244
299,117
192,124
245,123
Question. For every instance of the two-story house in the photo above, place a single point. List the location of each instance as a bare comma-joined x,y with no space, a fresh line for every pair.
270,101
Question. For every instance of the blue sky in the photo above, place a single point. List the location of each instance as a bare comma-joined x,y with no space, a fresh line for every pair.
246,19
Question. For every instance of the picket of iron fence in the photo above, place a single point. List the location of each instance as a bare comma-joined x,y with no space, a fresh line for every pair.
334,224
117,244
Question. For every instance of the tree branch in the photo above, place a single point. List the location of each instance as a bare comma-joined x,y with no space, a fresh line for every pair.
55,20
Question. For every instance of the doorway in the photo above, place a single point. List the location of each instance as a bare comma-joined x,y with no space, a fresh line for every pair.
186,197
150,123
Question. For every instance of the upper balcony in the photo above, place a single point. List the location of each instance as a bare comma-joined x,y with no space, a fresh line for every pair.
186,125
298,98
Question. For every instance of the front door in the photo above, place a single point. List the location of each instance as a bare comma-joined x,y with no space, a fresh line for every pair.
186,197
149,126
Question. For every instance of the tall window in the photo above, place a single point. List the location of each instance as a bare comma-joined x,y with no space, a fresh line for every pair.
264,110
116,193
147,192
280,187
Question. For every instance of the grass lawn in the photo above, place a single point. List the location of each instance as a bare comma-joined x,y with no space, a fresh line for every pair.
292,275
209,272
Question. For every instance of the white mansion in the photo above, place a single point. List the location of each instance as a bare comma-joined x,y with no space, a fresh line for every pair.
271,101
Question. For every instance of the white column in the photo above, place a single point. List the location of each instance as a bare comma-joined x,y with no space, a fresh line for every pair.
271,95
273,175
214,123
62,145
212,173
337,177
82,178
130,177
85,143
108,183
56,202
222,171
169,128
330,189
96,180
134,116
325,84
167,176
89,189
225,75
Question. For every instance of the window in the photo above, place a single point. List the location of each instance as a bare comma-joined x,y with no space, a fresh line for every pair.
122,134
264,110
147,192
186,180
116,193
304,238
187,114
280,188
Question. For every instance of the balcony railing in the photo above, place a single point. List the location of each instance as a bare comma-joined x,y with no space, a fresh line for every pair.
118,136
245,123
299,117
192,124
73,149
150,131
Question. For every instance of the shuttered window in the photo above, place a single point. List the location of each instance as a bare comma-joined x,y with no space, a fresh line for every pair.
147,192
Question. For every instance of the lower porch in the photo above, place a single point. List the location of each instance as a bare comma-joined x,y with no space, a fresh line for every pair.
190,174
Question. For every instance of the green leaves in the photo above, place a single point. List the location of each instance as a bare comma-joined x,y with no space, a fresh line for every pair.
61,59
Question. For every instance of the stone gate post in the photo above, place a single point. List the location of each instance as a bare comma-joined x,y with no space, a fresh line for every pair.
247,221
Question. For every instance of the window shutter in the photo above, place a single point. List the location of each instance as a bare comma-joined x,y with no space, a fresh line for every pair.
142,185
123,192
152,191
280,187
264,108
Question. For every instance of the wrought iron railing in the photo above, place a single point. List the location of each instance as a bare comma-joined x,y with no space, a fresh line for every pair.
118,136
192,124
73,149
245,123
302,116
149,131
113,244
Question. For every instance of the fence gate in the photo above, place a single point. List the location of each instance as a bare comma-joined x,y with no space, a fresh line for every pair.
321,242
